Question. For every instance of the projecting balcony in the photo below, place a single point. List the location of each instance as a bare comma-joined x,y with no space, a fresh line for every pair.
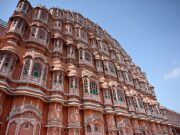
139,110
131,108
89,63
57,87
41,19
121,79
110,74
74,92
6,72
148,112
89,96
57,49
33,80
120,104
107,101
17,31
38,40
129,82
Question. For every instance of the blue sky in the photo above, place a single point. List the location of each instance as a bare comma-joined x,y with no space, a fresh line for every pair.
149,30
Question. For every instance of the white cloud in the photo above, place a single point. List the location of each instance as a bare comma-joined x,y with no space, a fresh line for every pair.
173,74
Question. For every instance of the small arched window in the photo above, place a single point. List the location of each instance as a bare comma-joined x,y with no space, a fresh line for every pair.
99,65
112,68
120,95
33,31
84,35
87,56
88,129
94,43
27,125
41,34
69,29
113,55
36,70
1,57
129,101
26,67
93,88
43,15
140,102
86,85
114,95
135,103
7,62
97,128
107,94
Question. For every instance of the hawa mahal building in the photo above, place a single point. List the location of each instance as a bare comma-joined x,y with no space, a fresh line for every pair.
62,74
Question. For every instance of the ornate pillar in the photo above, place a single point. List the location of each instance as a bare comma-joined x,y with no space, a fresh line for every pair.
73,121
55,116
111,125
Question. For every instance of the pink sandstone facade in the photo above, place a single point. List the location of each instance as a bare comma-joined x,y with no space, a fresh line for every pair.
61,74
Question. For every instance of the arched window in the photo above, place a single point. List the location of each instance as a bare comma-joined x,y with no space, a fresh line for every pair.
26,67
113,55
104,47
99,65
120,95
23,7
129,101
6,62
120,75
73,86
68,29
94,43
58,24
72,83
87,56
69,16
112,68
86,85
107,94
97,128
1,57
33,31
135,103
37,70
88,129
41,34
58,45
58,78
84,35
57,82
17,26
140,102
80,54
27,125
43,15
114,95
45,74
71,52
120,58
93,88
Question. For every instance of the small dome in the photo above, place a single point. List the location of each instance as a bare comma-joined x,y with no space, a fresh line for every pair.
10,49
57,35
58,66
73,73
105,85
